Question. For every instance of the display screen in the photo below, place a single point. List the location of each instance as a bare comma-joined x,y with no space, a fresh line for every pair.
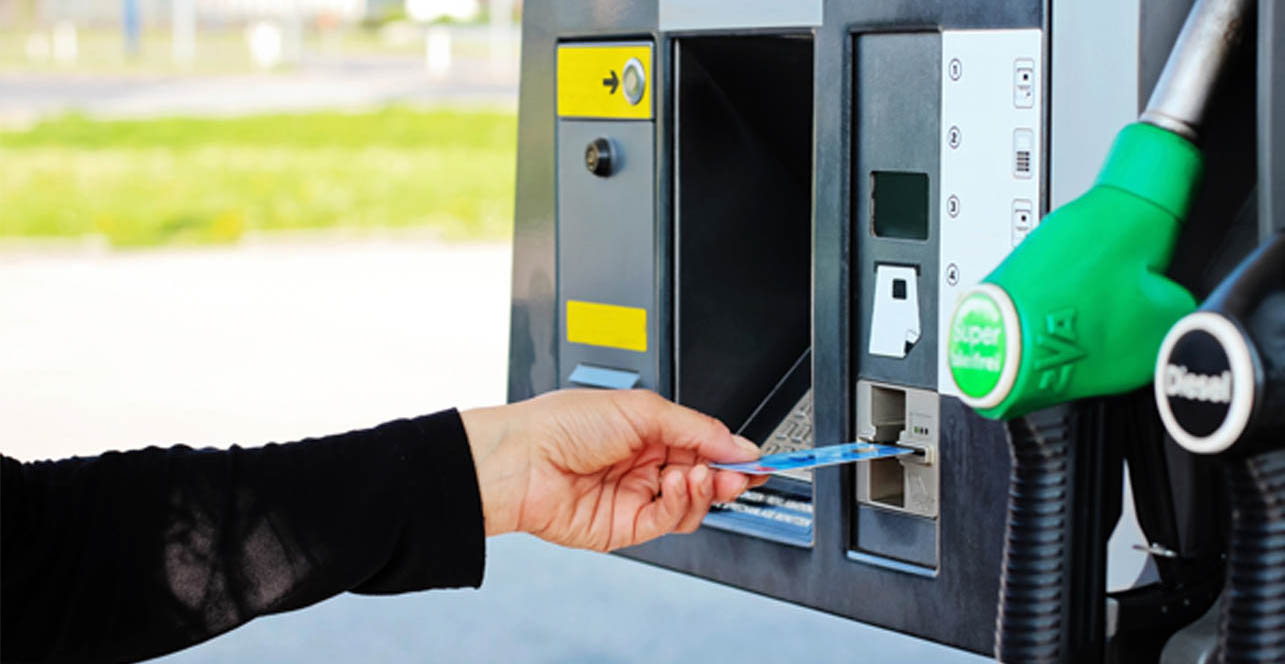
899,205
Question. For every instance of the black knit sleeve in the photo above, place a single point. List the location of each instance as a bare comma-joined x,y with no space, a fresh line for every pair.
130,555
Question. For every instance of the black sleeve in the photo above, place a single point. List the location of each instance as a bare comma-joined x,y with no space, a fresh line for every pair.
130,555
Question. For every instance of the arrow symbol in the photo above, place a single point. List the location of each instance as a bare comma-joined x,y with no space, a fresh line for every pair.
612,82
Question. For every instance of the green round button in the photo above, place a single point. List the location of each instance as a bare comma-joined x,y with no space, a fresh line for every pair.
977,345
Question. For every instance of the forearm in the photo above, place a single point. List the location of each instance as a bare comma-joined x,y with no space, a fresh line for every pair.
128,555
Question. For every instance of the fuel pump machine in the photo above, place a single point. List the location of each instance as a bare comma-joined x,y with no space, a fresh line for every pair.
771,211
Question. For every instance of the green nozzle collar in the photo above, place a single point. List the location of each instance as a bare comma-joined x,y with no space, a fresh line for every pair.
985,346
1156,165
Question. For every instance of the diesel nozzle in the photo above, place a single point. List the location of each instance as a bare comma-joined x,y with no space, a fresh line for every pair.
1220,389
1220,373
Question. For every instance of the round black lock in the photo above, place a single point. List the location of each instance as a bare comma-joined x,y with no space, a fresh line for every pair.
597,157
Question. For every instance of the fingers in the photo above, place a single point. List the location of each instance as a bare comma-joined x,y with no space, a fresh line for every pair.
663,515
729,484
685,500
700,485
658,420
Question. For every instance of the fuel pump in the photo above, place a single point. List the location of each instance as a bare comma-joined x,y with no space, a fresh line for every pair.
1220,389
1076,312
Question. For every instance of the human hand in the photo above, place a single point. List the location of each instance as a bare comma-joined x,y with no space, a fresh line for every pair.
600,469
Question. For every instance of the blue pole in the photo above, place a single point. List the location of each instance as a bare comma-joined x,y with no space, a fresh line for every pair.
131,25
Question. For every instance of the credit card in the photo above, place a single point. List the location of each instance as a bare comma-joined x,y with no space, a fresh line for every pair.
822,456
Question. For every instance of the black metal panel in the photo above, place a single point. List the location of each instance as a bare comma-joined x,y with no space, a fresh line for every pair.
898,92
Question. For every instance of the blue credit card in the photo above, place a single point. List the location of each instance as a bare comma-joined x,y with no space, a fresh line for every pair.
822,456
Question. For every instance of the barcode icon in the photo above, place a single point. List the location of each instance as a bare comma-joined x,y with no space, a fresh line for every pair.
1023,152
1023,164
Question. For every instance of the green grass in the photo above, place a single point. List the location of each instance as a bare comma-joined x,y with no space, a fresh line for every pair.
217,50
153,182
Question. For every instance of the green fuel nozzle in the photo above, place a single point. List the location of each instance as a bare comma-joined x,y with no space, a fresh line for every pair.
1080,307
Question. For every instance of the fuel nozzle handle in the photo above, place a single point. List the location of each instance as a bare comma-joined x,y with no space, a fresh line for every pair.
1181,97
1078,309
1220,388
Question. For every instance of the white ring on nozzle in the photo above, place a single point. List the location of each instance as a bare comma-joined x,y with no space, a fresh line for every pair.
1242,382
1012,348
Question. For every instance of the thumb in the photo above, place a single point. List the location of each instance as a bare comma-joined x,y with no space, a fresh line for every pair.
660,421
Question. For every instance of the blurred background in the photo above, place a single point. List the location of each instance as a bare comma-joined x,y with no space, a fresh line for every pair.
237,221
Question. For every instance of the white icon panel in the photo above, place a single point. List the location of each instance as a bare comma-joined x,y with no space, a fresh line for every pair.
996,171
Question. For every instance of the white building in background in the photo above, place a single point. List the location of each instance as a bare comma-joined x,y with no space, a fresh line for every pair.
425,11
157,12
344,10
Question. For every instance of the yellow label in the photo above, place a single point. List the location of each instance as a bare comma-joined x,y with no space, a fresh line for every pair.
592,81
607,325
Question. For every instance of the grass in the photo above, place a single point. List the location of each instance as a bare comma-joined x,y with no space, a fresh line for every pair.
217,50
199,180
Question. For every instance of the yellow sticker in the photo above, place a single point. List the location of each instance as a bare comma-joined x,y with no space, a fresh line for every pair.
607,325
605,81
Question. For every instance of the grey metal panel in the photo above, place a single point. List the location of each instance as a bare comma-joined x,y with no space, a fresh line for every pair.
1106,57
1093,88
534,319
898,97
606,236
533,322
1271,117
721,14
1159,23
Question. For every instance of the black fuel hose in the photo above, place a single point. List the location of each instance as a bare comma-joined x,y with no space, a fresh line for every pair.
1052,585
1252,626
